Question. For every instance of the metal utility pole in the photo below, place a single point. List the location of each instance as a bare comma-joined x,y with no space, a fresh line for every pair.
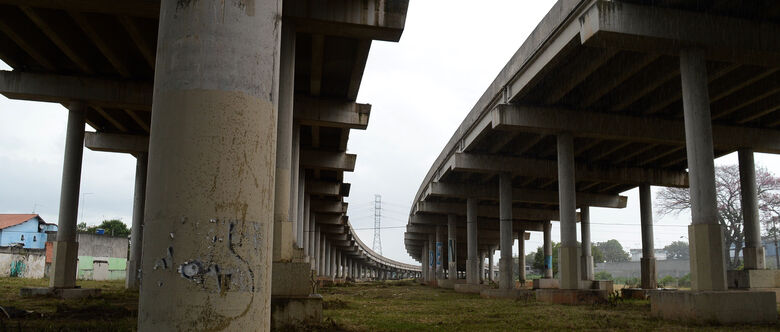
377,223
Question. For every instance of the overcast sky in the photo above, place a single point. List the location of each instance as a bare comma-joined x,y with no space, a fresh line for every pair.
421,89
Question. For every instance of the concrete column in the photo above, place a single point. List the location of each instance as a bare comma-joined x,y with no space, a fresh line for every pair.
490,255
439,252
65,249
472,263
339,268
452,247
301,203
306,234
212,167
133,280
505,263
521,257
333,265
481,266
567,255
317,249
432,258
708,260
286,186
327,261
647,262
753,252
312,227
425,263
548,268
586,259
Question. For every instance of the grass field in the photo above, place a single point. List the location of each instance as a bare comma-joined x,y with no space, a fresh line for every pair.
388,306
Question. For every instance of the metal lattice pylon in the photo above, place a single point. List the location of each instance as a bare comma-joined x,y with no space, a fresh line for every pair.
377,223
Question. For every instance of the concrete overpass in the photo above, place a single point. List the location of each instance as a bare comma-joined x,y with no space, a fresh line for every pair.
239,114
603,97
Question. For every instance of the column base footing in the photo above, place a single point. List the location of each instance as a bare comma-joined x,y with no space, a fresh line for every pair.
725,307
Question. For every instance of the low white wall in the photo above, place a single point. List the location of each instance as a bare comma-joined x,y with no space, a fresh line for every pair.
23,264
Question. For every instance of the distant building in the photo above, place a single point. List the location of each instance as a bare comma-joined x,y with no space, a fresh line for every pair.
24,230
636,254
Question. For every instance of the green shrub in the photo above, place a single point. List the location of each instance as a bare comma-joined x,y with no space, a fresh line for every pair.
603,275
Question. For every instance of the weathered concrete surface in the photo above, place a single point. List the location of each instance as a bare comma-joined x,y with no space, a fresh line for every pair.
292,312
753,278
571,296
725,307
23,264
292,279
545,283
514,294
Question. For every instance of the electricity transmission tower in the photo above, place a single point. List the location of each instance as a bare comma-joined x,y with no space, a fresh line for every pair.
377,221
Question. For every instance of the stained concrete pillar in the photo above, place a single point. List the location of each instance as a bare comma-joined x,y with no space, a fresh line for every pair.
133,280
432,258
312,228
586,258
424,262
505,263
472,263
452,250
490,273
65,248
306,223
286,185
567,254
212,167
339,268
328,259
317,249
753,252
482,266
333,265
547,248
301,203
708,260
521,257
647,262
439,252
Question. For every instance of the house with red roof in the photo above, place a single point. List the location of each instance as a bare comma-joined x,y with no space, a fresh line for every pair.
24,230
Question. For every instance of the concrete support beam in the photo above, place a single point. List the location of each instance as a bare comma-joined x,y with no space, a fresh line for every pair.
331,113
439,253
373,19
521,257
321,188
547,245
708,261
133,278
121,143
505,263
521,195
327,160
549,120
649,277
224,84
65,247
753,252
468,162
452,248
586,259
472,263
567,255
66,89
326,206
491,212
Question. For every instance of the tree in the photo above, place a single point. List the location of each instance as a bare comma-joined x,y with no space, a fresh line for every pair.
81,227
729,204
612,251
598,255
538,262
677,250
113,227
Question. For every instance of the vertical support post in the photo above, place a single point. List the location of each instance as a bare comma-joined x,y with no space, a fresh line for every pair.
300,202
472,263
548,267
133,280
708,260
753,252
505,263
286,186
218,171
649,278
567,254
482,266
586,260
339,268
439,253
305,218
452,250
521,257
425,263
65,249
432,259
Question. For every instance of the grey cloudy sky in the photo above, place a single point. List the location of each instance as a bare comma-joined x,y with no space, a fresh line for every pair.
420,89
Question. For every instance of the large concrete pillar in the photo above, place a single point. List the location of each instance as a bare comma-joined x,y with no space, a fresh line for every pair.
301,202
567,254
452,250
521,257
212,168
133,280
286,189
327,259
333,264
312,228
439,252
297,200
317,248
490,273
432,258
482,255
425,263
65,248
708,260
505,263
547,248
472,263
753,252
305,234
339,268
586,259
649,279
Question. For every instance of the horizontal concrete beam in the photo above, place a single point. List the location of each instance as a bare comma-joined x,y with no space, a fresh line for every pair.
65,89
331,112
485,211
639,28
138,8
547,120
326,206
327,160
485,192
429,221
468,162
116,142
322,188
371,19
